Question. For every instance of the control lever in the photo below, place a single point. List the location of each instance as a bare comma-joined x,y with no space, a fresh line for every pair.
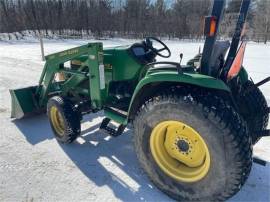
181,57
179,69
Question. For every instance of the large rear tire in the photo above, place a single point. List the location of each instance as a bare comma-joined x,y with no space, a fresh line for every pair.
254,109
64,119
193,147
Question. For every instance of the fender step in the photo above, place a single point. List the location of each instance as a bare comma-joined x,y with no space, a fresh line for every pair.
109,130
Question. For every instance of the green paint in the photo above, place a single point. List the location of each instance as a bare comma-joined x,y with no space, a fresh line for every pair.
95,62
243,75
22,101
91,75
115,117
124,66
172,76
32,99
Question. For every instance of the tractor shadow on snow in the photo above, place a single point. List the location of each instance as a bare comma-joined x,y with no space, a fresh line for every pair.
111,162
104,160
36,129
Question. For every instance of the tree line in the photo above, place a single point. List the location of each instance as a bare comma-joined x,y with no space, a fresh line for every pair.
183,19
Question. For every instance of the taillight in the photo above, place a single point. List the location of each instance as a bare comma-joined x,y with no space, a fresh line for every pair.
210,26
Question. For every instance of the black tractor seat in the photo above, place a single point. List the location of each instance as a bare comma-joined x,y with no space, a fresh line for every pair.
217,60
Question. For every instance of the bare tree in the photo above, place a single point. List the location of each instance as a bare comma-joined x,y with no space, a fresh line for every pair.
126,18
262,20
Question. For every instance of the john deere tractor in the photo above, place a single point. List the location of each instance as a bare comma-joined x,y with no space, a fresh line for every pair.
194,125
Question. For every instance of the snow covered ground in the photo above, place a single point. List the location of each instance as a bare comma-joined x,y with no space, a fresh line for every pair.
34,167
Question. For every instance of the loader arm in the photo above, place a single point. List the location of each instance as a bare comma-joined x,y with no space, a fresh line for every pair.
28,100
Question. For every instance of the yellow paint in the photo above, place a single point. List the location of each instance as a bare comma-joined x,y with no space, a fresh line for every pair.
76,62
57,121
69,52
180,151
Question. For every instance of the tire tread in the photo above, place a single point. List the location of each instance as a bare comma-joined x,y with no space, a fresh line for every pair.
225,117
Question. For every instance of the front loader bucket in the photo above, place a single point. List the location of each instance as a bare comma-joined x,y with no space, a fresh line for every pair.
23,102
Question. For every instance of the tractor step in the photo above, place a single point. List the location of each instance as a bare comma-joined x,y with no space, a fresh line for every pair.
109,130
115,114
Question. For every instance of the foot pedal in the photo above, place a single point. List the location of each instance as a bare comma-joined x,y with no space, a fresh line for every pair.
111,131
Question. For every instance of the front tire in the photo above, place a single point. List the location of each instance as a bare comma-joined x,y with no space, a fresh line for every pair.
64,119
221,130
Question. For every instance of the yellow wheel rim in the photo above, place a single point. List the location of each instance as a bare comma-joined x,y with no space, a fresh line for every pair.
57,121
180,151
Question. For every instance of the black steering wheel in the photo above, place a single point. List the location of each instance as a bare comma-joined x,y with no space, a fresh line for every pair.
149,44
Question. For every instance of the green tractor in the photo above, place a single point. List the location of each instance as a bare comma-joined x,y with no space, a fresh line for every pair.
194,125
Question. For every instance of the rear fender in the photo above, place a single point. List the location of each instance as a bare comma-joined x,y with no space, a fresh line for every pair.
155,81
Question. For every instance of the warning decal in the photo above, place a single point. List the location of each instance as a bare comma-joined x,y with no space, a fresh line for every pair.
101,76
